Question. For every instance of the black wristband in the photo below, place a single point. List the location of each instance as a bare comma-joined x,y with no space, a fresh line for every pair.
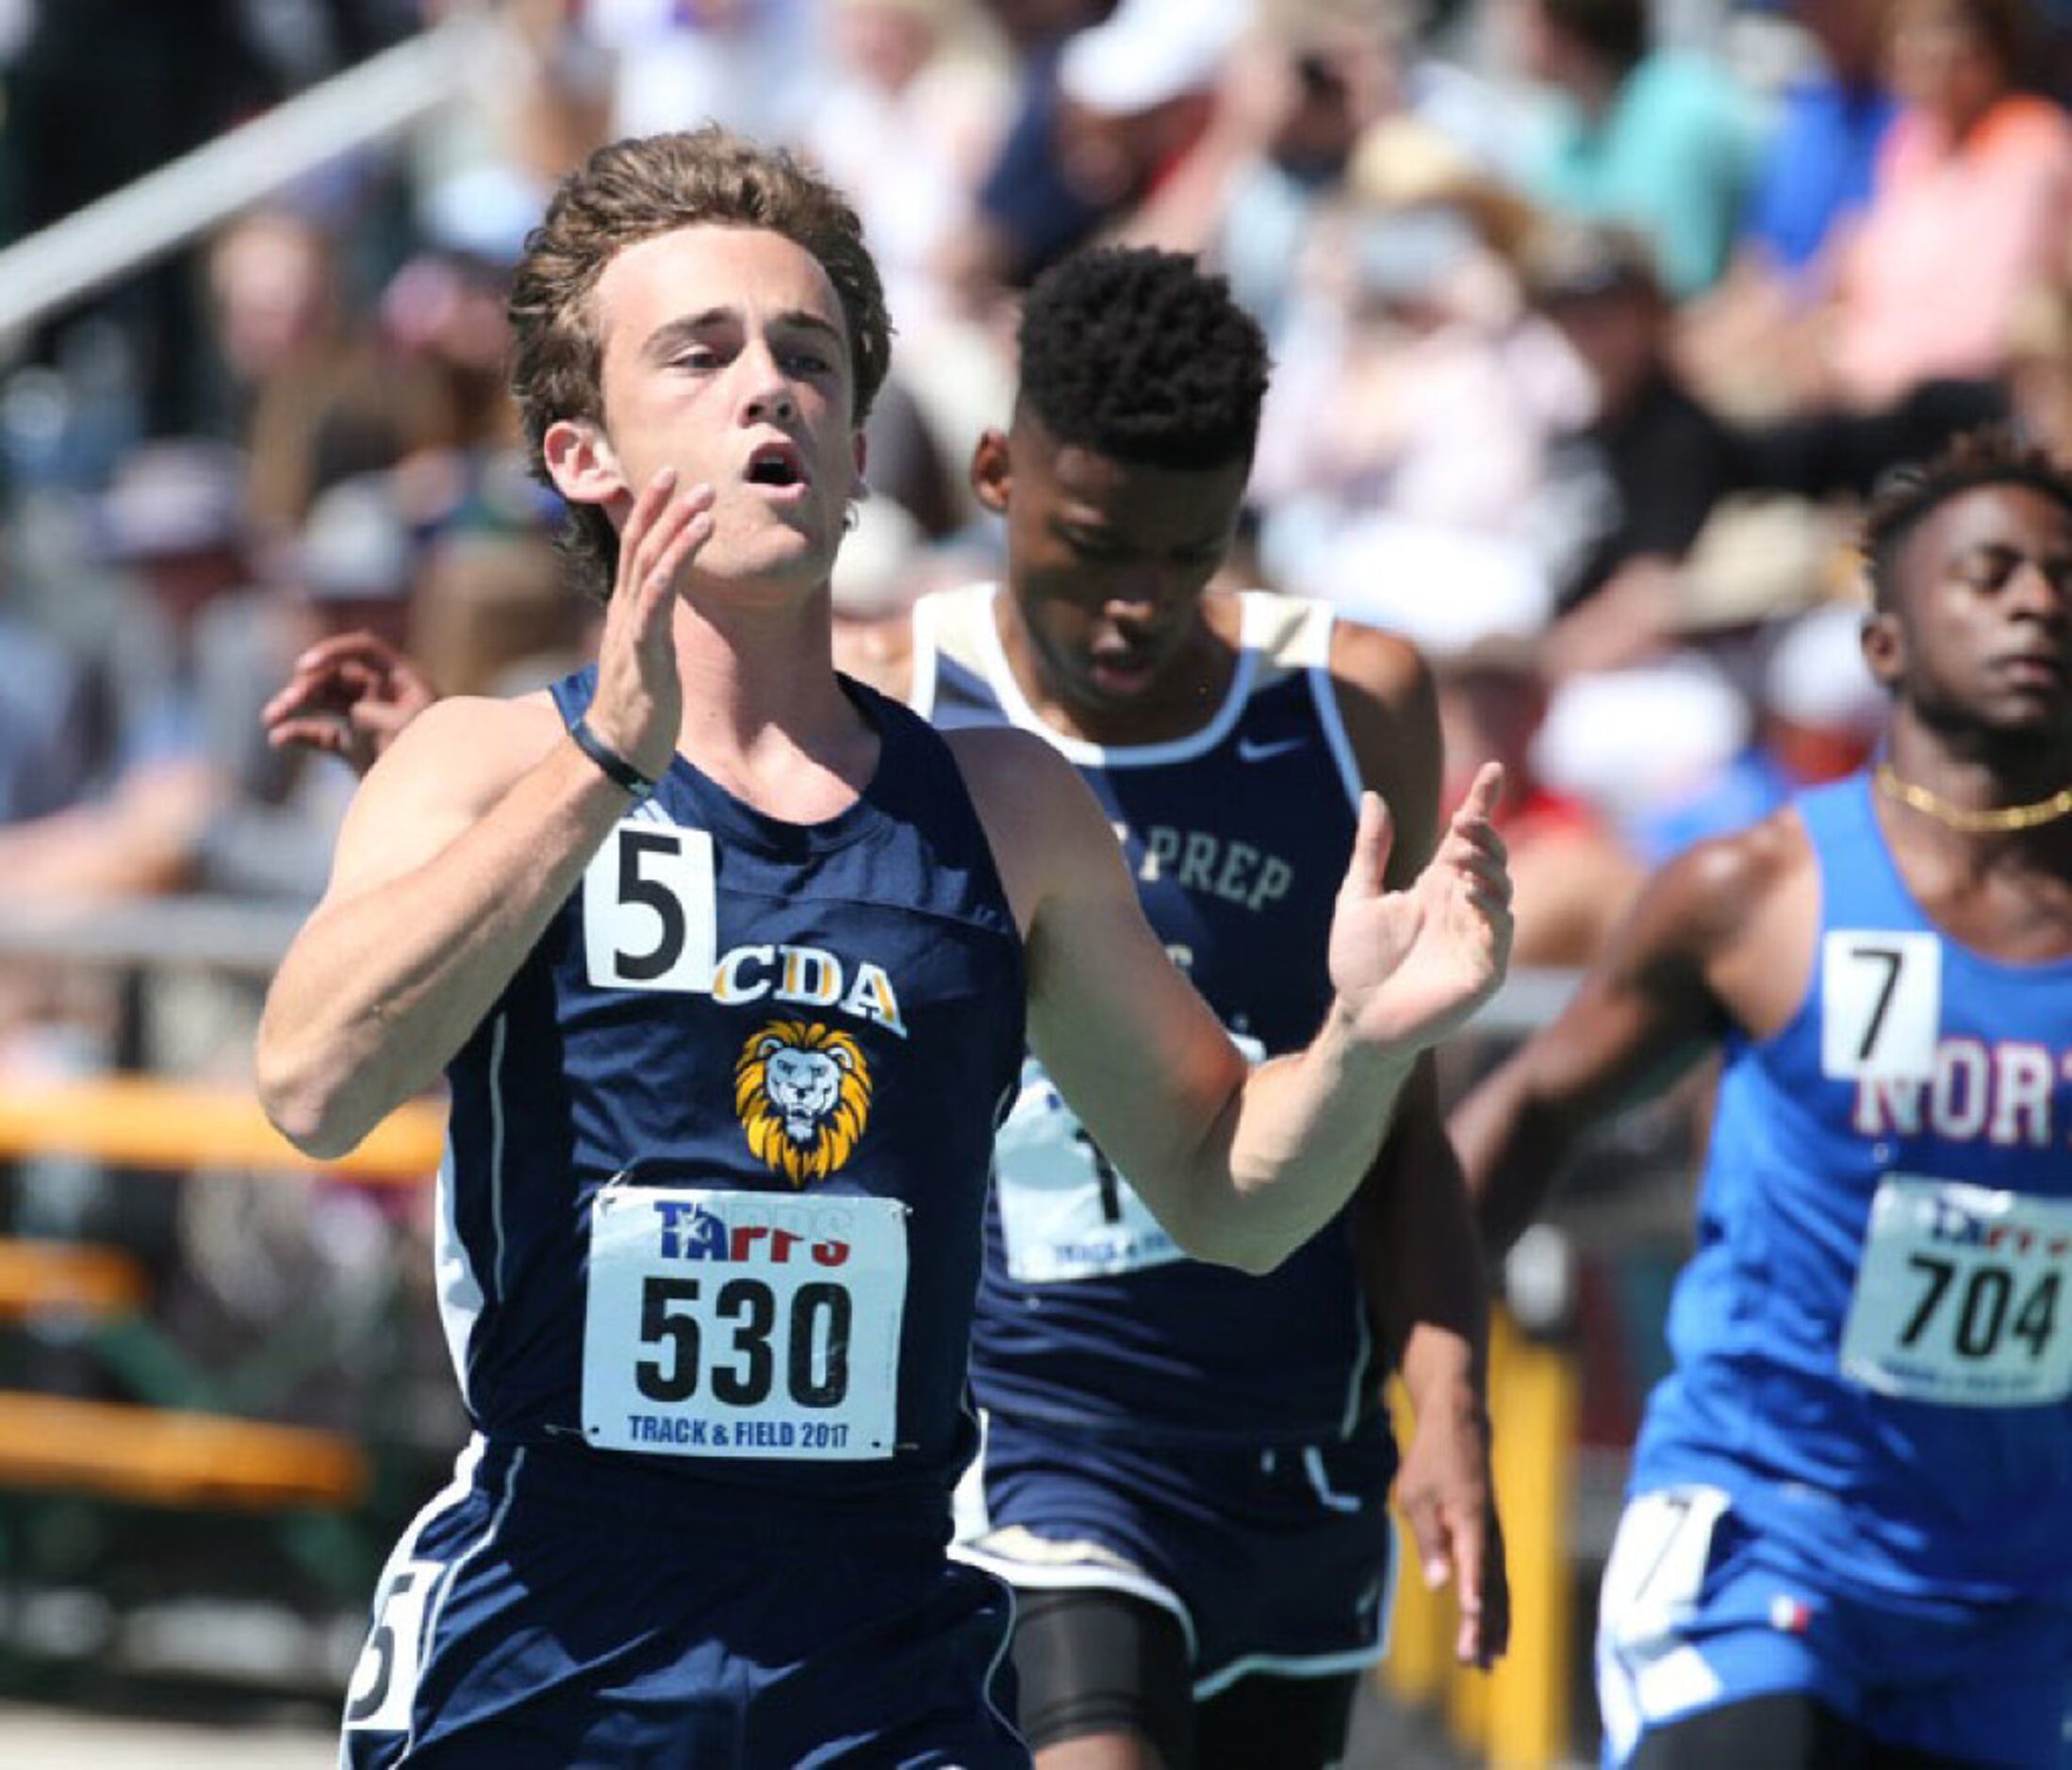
617,768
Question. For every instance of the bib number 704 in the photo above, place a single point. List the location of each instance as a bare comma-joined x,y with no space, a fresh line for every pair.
1981,1306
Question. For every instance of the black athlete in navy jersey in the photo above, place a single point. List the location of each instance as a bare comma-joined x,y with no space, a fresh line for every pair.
1186,1472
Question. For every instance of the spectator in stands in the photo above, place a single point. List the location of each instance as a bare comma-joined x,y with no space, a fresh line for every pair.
1971,208
276,308
183,677
1972,204
1817,715
1108,114
1629,491
1816,167
46,748
758,66
1408,429
1572,872
494,615
1291,111
910,72
1813,178
2039,366
1294,99
1660,140
351,574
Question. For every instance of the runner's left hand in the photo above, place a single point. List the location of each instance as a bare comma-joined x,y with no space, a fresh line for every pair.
1412,966
1444,1492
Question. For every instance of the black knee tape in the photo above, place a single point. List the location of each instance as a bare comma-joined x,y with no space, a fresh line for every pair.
1098,1662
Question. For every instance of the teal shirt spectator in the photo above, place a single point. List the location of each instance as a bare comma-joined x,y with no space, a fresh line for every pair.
1674,155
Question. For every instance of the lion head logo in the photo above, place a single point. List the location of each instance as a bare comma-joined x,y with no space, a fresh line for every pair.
802,1094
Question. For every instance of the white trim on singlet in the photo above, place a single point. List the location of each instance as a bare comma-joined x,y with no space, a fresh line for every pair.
999,677
499,1034
452,1495
428,1635
1319,627
1324,696
1364,1365
1324,693
460,1295
924,655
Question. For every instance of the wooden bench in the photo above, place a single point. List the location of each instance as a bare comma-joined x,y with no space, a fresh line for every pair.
66,1280
147,1122
163,1457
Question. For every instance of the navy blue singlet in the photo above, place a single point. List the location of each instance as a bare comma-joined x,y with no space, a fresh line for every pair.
1237,838
717,1160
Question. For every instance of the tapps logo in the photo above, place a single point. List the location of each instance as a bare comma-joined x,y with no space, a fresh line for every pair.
802,1093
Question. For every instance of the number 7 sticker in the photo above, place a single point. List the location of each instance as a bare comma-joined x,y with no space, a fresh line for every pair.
1881,1005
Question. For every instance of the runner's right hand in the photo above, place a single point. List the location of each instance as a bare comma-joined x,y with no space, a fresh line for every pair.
639,703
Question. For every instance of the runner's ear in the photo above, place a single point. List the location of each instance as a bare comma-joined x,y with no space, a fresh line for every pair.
583,462
1884,647
992,471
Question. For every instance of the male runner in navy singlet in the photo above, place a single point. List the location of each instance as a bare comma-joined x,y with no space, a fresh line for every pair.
1845,1540
1186,1469
730,966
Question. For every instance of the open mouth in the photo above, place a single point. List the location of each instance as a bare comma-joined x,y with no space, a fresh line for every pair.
778,466
1121,673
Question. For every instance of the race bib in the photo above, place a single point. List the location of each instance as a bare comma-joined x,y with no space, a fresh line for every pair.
740,1324
1958,1297
1065,1212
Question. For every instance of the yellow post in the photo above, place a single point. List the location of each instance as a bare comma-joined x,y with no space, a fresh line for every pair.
1523,1710
1518,1716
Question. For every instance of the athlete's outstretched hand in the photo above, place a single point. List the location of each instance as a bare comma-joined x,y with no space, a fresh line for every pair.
1411,966
1445,1495
639,704
347,695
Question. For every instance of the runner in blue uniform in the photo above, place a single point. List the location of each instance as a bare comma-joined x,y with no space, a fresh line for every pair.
1845,1540
1186,1470
729,964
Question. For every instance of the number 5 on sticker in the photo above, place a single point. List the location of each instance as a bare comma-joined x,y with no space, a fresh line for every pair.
648,921
1881,1005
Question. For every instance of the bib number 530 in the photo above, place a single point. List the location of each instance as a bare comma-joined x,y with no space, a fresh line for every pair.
815,1336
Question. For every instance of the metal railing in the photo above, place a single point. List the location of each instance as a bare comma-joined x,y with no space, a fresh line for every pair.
131,227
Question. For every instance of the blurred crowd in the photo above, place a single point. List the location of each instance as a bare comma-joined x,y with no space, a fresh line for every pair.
1593,322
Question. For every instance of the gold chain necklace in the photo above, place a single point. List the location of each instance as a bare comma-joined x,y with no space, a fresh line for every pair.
1998,821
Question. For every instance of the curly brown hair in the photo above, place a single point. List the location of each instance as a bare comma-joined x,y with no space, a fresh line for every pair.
1991,454
632,191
